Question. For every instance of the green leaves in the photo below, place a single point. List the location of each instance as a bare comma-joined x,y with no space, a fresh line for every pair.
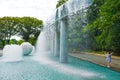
60,2
24,26
29,26
105,25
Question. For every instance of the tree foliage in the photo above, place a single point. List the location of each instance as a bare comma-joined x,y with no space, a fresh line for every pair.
104,24
60,2
30,27
24,26
7,28
97,29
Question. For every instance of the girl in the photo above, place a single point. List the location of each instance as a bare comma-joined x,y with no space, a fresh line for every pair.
108,59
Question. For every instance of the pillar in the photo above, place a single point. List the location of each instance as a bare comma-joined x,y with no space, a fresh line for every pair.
63,41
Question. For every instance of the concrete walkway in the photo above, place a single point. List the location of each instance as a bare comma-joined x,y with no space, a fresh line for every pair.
95,58
98,59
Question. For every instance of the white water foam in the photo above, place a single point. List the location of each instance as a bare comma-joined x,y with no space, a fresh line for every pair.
12,53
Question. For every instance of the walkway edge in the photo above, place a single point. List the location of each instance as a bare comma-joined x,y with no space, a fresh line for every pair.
98,62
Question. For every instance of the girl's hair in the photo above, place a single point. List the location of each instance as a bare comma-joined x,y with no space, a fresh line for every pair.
108,52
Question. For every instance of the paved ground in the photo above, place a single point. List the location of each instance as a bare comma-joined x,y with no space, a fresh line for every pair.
48,67
95,58
98,59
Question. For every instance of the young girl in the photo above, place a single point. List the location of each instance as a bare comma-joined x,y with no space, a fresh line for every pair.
108,59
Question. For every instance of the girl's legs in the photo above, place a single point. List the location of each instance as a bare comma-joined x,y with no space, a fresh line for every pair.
108,64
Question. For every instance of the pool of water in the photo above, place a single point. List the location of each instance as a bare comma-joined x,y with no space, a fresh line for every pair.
44,68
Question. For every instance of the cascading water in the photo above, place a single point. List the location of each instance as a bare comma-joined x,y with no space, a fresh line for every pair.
60,25
46,63
58,29
12,53
41,43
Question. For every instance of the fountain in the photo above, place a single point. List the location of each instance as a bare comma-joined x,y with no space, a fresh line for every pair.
41,43
54,37
60,24
12,53
27,48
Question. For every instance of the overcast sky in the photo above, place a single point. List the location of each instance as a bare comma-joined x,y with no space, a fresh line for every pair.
40,9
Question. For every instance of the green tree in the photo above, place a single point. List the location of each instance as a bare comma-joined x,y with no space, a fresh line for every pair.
13,41
30,26
32,40
7,28
104,24
25,26
20,42
110,24
60,2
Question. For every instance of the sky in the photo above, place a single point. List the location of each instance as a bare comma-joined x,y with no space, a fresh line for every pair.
40,9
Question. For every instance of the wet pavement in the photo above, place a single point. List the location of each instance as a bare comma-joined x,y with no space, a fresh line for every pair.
98,59
94,58
47,67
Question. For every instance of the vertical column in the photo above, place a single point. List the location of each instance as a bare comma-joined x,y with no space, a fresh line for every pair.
57,44
51,45
57,35
63,41
53,50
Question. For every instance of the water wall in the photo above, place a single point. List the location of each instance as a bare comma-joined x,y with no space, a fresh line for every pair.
63,29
